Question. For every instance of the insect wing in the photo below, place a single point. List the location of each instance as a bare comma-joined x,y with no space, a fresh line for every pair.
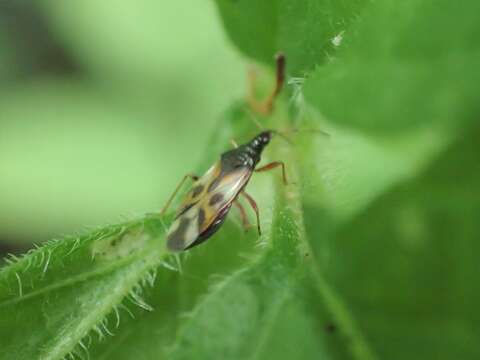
226,190
200,211
184,230
199,188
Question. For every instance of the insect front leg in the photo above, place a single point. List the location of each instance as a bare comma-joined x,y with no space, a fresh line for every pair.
265,107
254,206
274,165
243,214
165,207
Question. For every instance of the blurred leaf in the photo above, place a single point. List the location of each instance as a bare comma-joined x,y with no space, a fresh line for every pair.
8,68
53,297
69,160
404,66
346,170
412,254
303,30
150,44
82,151
27,47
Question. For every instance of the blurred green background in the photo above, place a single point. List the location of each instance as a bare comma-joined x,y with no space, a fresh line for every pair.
104,105
93,97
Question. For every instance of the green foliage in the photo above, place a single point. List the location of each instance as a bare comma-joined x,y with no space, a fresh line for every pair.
371,253
303,30
53,297
416,246
405,66
94,145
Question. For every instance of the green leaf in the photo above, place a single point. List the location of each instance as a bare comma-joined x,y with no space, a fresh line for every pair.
347,170
404,66
303,30
148,334
99,41
371,252
86,286
407,265
278,299
54,297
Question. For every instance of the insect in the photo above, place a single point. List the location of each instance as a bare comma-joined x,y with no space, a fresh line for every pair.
212,195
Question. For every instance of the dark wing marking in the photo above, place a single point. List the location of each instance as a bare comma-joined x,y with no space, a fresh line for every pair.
197,216
199,188
228,187
215,199
176,237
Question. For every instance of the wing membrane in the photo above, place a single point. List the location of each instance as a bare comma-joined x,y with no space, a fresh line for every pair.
204,204
227,189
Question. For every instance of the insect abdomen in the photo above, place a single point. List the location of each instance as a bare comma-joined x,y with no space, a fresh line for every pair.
213,228
185,234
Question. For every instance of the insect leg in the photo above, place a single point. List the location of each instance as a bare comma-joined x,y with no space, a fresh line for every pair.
165,207
273,165
265,107
254,206
243,214
234,143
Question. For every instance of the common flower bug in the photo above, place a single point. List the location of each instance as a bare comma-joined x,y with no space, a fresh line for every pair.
212,195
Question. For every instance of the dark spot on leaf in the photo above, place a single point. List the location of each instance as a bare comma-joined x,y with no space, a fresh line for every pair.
330,328
115,241
215,199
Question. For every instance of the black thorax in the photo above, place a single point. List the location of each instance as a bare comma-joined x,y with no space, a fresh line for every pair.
248,154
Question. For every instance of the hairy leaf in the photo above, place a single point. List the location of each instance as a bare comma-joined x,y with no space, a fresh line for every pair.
56,296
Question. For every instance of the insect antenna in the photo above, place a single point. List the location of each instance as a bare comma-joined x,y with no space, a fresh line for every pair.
262,128
282,135
315,131
252,117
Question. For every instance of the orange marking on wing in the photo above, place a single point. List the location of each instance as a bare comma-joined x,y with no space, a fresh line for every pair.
225,192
